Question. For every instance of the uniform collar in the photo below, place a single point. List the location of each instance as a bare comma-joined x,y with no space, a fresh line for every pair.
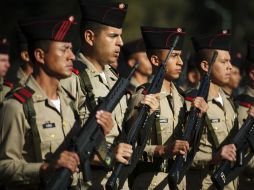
39,94
93,69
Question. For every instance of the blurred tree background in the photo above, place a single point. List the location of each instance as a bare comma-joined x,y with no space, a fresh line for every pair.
195,16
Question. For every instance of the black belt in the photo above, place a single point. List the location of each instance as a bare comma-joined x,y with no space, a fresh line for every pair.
158,165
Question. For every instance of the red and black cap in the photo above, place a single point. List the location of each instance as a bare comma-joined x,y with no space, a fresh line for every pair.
220,41
54,29
4,46
134,46
236,59
250,51
107,13
162,38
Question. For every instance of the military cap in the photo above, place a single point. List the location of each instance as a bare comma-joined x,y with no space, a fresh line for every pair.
236,59
21,39
4,46
162,38
54,29
220,41
133,47
107,13
250,51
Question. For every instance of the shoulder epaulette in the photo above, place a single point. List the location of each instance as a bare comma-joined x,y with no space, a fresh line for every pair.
245,100
23,94
190,94
75,71
9,84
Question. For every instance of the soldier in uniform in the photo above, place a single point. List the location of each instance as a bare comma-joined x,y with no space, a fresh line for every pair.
245,103
36,118
163,143
134,52
220,120
235,77
101,30
26,68
5,86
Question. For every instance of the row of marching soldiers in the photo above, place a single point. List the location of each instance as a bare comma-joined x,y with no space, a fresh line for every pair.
54,88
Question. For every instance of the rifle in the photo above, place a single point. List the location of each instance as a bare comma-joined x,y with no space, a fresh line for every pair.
89,138
193,131
144,122
243,140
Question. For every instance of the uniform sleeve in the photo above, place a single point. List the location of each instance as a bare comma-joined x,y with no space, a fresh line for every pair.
13,127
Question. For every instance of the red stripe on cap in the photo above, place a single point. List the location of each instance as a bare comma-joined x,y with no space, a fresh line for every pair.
65,30
25,92
245,104
58,34
20,98
189,98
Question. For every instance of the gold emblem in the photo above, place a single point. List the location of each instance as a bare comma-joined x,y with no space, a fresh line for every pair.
179,30
71,18
121,6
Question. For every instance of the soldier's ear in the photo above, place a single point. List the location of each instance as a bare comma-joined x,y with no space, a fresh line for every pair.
204,66
251,75
24,56
39,55
155,60
89,37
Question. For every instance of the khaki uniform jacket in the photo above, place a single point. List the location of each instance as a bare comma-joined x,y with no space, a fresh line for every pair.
21,76
162,134
243,110
17,156
100,89
222,118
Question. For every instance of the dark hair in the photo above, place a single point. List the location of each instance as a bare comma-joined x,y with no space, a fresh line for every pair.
151,52
42,44
90,25
203,55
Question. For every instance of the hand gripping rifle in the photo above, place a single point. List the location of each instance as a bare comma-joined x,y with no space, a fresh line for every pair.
89,138
192,133
144,122
243,140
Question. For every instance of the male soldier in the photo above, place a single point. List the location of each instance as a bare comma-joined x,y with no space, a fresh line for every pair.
135,52
26,68
37,118
220,117
192,76
235,77
245,103
101,29
163,143
5,86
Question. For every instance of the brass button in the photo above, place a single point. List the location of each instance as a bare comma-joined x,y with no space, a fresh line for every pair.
64,124
52,136
215,128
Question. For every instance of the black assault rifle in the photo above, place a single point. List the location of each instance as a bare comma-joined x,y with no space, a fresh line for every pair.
192,133
89,138
244,142
142,122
